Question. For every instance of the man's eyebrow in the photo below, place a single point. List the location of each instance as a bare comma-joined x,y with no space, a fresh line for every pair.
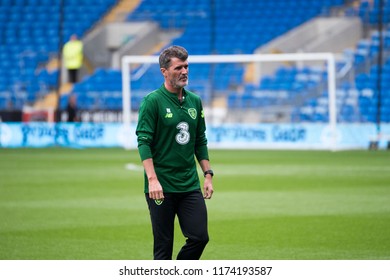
181,66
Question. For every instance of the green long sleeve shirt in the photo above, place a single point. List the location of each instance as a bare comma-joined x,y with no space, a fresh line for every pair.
172,133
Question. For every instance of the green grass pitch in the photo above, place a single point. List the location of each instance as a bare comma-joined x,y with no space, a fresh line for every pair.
268,205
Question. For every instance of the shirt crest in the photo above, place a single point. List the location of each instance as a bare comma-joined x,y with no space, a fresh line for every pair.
192,113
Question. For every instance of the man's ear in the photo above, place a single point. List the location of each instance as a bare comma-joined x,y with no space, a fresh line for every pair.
163,71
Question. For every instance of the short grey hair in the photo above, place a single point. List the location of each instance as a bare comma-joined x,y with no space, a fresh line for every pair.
171,52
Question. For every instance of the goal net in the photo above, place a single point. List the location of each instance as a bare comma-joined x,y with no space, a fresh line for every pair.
246,90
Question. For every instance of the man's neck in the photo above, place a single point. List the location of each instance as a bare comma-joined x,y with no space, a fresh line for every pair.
177,91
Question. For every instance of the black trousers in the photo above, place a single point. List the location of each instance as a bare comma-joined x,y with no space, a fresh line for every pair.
73,75
191,211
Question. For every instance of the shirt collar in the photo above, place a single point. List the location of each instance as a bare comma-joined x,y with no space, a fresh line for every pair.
171,94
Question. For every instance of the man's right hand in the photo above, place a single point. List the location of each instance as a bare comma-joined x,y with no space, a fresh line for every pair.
155,189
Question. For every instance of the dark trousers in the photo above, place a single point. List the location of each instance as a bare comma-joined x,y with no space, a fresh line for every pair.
191,211
73,75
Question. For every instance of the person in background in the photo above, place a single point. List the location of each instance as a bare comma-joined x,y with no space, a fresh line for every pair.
171,133
73,58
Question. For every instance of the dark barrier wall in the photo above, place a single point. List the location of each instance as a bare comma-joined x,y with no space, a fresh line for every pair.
11,116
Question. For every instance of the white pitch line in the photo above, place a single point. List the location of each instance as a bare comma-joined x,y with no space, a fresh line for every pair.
134,167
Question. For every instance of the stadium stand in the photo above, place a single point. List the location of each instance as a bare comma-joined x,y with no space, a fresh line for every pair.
29,37
358,100
222,29
231,34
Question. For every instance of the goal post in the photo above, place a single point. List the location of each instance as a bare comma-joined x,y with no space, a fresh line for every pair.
129,61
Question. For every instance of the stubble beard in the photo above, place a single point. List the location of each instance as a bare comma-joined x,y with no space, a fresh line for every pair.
179,84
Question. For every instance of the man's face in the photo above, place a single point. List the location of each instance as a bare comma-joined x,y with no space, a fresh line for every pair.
176,75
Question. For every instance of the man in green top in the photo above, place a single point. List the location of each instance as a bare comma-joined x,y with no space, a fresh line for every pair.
171,133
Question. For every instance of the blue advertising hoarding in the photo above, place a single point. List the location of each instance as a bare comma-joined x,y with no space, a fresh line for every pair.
240,136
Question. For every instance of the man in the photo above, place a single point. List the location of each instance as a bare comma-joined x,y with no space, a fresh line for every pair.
73,57
171,133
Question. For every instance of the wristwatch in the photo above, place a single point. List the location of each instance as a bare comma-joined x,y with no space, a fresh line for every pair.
211,172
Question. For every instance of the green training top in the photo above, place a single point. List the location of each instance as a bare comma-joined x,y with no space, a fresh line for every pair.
172,134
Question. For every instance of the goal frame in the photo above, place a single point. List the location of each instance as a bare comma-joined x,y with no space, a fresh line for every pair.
329,58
